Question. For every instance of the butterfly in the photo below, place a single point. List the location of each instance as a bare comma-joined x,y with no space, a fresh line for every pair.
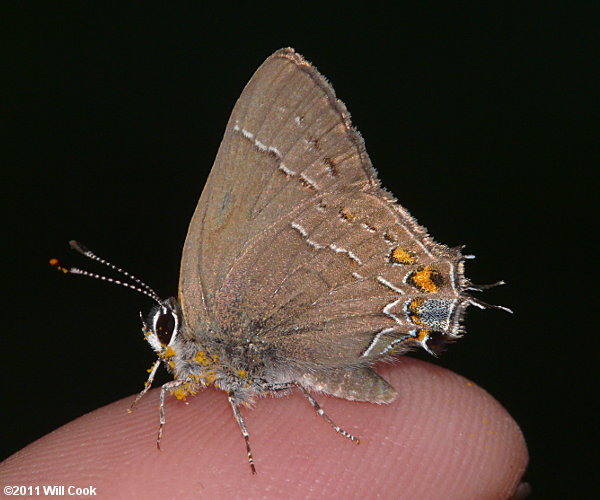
299,271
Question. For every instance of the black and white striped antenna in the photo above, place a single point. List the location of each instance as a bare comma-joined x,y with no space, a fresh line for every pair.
139,285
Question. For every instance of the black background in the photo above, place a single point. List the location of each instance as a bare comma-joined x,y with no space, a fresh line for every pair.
478,119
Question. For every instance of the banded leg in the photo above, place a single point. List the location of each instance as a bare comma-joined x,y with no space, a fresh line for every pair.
147,385
240,420
163,390
284,386
322,413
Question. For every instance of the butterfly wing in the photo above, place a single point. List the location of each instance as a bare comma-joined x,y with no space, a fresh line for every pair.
295,243
286,135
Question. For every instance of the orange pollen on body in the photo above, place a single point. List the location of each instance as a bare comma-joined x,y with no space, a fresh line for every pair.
203,359
401,256
242,373
210,377
188,388
169,353
180,393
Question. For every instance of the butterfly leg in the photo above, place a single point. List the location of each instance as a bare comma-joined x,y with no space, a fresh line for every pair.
281,387
163,391
240,420
322,413
147,385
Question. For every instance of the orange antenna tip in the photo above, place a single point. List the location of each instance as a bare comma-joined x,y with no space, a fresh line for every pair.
57,265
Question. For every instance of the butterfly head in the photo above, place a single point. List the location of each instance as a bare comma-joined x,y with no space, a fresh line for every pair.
162,326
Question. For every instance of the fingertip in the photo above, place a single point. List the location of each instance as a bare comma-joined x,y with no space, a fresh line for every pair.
465,443
442,436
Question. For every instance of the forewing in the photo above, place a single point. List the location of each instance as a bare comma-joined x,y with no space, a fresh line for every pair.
288,139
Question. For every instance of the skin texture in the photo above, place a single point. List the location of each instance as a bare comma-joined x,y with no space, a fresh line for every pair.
443,438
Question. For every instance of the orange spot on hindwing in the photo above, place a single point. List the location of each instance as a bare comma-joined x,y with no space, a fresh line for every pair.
401,256
347,215
426,279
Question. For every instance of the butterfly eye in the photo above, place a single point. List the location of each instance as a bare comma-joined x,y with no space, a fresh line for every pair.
165,325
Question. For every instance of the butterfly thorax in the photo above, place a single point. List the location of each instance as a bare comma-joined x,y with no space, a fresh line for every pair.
197,357
238,366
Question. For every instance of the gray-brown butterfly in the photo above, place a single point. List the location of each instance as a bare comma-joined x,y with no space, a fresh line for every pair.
299,270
